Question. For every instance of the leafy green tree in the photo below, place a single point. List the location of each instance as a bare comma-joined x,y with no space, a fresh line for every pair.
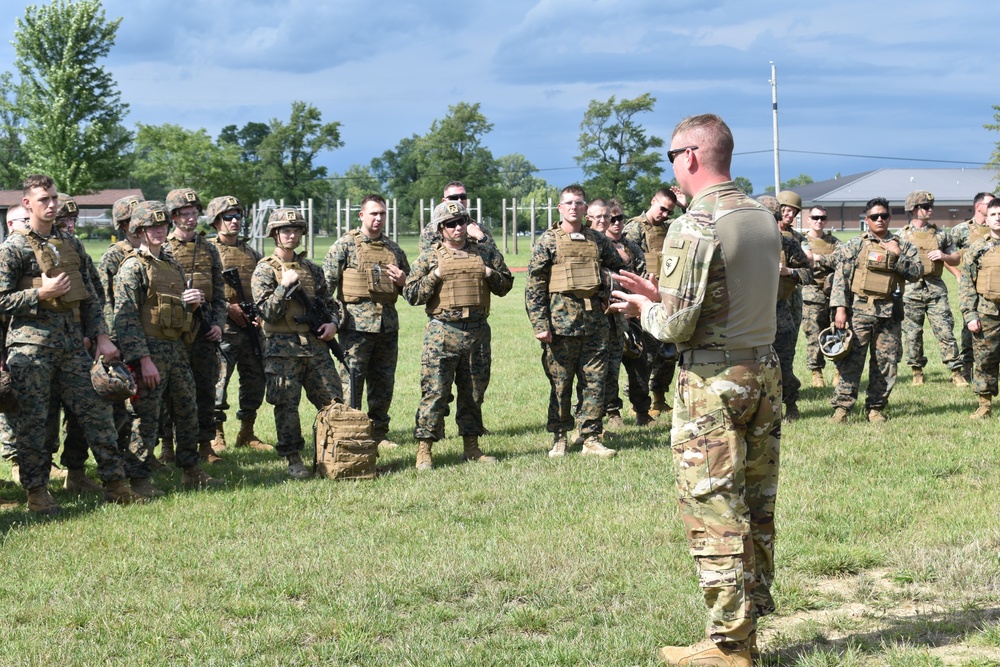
11,127
72,108
288,151
994,162
248,138
794,182
616,154
743,184
517,176
397,171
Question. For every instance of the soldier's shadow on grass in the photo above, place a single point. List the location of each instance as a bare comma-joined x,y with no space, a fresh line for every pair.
921,630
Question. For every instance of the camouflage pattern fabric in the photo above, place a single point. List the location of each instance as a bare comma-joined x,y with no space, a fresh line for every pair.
908,267
787,330
365,316
882,334
986,343
636,370
795,301
927,299
816,304
236,353
962,236
430,236
111,261
586,359
293,362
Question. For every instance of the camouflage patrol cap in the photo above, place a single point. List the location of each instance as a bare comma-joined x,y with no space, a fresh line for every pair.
182,197
771,204
149,213
220,205
121,211
789,198
67,207
285,217
448,210
916,198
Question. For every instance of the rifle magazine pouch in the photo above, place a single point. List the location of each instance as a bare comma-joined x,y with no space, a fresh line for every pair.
345,448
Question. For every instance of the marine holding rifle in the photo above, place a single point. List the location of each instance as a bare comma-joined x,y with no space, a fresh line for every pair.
241,345
296,354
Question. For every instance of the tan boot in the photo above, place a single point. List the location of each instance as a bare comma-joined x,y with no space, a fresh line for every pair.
120,493
659,404
424,461
839,416
704,654
877,416
77,480
219,443
40,501
558,445
247,438
958,379
383,442
167,450
918,377
145,488
985,410
615,421
592,447
818,380
296,468
471,451
196,478
207,454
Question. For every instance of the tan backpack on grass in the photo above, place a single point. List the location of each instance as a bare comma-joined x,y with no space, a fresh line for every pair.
345,448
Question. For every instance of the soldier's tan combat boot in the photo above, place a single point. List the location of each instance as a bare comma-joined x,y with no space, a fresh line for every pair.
918,377
592,447
207,454
424,461
40,501
247,438
296,468
145,488
120,493
704,654
659,406
77,481
877,416
958,379
384,442
839,416
219,442
558,445
196,478
167,449
985,410
818,380
615,421
471,451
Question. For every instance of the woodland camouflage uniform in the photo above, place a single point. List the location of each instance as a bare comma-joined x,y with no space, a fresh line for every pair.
975,306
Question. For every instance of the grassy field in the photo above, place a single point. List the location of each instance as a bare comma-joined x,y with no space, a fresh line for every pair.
888,548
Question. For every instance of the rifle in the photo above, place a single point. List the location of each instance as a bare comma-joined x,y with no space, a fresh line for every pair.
249,308
317,314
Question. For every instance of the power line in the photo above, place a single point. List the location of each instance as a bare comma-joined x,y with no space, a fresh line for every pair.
869,157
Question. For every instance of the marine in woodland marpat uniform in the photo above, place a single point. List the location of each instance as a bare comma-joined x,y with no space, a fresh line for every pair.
789,207
928,297
430,234
296,357
871,270
52,306
453,280
236,349
715,300
366,270
793,273
816,294
153,311
963,235
979,301
564,299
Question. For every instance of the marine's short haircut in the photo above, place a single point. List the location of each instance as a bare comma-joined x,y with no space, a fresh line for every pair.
454,184
372,197
37,181
573,189
877,201
988,196
713,138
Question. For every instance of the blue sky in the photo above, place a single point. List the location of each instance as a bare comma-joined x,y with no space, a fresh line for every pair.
887,79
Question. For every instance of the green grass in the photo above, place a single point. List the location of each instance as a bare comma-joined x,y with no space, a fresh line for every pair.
888,546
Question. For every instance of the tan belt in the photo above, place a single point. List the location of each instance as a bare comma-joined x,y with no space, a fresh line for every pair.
689,357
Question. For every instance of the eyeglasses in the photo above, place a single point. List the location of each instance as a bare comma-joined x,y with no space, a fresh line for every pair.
462,196
452,224
602,216
878,216
925,207
672,154
233,217
617,218
578,202
817,217
14,220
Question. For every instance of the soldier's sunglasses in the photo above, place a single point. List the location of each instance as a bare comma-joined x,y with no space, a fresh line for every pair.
464,196
878,216
672,154
617,218
451,224
231,217
818,217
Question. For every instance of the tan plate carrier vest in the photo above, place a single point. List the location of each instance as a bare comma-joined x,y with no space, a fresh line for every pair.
201,275
577,270
988,279
239,257
926,241
821,247
786,284
463,283
295,309
163,315
655,235
55,257
873,274
370,280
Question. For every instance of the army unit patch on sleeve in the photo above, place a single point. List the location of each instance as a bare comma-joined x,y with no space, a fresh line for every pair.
670,263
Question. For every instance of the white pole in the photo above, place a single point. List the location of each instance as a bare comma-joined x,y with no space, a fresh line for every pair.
774,111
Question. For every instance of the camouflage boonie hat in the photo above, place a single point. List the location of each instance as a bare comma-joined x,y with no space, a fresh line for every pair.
121,211
150,213
183,197
67,207
448,210
771,204
285,217
220,205
916,198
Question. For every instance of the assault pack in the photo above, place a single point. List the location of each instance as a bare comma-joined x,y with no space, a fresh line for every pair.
345,447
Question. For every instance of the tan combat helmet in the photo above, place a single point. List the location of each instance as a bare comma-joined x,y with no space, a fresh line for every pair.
150,213
789,198
446,211
182,197
121,211
67,209
916,198
220,205
284,217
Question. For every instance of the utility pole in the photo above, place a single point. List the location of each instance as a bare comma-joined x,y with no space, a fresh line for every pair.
774,111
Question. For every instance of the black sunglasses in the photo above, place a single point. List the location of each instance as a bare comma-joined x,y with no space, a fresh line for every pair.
617,218
459,197
672,154
878,216
229,217
925,207
818,217
451,224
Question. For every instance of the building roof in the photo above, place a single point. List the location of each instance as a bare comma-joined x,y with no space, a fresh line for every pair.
102,199
949,186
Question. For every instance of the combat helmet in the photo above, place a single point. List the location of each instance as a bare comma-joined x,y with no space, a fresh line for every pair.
182,197
916,198
149,213
112,380
67,207
121,211
447,211
835,343
771,204
284,217
220,205
789,198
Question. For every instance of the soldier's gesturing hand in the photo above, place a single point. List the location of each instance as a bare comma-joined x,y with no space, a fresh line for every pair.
397,274
150,375
54,287
289,277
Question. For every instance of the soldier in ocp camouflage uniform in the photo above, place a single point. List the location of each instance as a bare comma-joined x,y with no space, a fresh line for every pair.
563,298
152,313
793,272
717,291
295,358
453,279
816,294
979,301
52,307
963,235
236,350
928,297
871,269
366,270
